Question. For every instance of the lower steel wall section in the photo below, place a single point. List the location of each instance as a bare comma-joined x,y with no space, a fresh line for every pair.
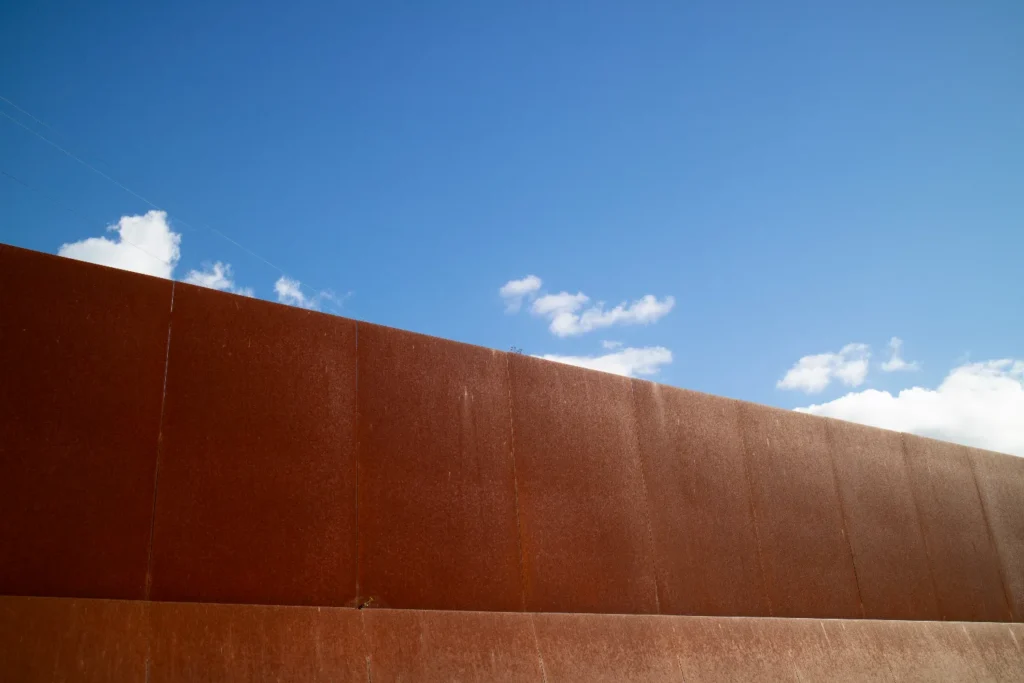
68,639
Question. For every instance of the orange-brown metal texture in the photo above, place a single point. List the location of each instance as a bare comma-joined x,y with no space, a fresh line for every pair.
608,648
881,522
582,505
998,651
295,464
245,643
804,548
968,581
69,639
858,649
701,514
437,493
435,646
46,639
256,487
928,651
82,352
1001,484
788,650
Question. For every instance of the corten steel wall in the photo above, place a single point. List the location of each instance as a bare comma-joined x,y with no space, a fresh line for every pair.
162,442
71,639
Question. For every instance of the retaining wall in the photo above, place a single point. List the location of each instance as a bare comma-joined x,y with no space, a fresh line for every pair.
160,442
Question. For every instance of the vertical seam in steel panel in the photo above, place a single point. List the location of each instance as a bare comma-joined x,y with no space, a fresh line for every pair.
745,461
646,492
159,450
920,523
991,536
358,453
830,444
515,484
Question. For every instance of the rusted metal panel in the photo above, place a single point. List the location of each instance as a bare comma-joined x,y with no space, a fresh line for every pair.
881,522
46,639
256,489
67,639
248,643
960,550
1001,484
428,646
807,559
437,491
700,506
83,352
604,648
583,509
999,652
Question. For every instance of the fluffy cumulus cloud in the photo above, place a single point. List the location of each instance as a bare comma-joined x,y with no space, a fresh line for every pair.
146,244
812,374
514,291
896,362
569,318
977,404
217,276
628,362
143,244
570,315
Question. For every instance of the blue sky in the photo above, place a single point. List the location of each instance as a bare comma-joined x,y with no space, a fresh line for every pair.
798,177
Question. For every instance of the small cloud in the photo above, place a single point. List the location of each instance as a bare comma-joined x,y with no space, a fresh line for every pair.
145,244
896,362
812,374
610,345
290,292
567,318
555,304
977,404
628,362
514,291
217,276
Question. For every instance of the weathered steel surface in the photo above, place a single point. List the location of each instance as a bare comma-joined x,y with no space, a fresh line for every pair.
429,646
1001,484
960,549
282,456
700,505
243,643
807,559
82,355
437,492
45,639
70,639
256,489
582,505
881,522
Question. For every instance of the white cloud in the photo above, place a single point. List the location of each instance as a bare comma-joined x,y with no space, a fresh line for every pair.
610,345
217,276
977,404
552,304
896,362
812,374
567,319
290,292
514,291
628,362
145,244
